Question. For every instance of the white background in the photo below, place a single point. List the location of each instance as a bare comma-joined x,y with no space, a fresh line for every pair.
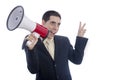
102,54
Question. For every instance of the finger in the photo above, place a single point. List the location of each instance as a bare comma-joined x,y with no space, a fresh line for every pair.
80,24
84,30
30,37
82,27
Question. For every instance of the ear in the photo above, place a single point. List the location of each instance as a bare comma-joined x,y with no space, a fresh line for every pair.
43,22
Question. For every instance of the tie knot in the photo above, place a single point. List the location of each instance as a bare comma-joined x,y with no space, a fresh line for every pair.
47,42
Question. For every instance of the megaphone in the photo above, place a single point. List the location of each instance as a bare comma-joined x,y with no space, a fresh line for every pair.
17,19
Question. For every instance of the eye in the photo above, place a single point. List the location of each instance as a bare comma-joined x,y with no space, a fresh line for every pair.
53,23
59,24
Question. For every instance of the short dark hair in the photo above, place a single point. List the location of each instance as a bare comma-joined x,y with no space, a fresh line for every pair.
47,14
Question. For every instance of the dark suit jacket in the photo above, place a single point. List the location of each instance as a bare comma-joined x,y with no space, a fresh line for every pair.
39,61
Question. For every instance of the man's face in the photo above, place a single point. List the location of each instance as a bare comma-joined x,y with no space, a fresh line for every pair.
52,25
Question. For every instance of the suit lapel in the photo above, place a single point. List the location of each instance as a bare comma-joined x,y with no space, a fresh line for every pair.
56,50
56,42
44,50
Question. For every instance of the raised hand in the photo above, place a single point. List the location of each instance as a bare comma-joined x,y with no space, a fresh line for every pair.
81,30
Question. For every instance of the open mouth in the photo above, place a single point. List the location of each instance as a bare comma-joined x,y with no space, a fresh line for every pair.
52,32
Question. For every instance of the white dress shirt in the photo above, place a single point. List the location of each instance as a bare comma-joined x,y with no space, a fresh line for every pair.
49,44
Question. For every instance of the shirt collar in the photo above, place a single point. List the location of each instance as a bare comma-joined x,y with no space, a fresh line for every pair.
47,39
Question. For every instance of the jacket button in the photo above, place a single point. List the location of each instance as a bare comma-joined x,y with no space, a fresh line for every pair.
55,65
57,77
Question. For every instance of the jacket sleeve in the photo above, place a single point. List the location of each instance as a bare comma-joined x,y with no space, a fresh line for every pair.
31,58
76,54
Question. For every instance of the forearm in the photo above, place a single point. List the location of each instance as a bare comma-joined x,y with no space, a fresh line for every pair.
80,43
76,55
32,60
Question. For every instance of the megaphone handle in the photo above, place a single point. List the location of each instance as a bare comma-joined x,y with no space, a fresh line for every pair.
29,42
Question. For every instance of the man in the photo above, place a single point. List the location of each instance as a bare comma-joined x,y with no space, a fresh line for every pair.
52,63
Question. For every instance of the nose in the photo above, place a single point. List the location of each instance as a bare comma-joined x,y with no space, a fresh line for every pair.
55,28
56,25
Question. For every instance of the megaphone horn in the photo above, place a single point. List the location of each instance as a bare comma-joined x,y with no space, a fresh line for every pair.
17,19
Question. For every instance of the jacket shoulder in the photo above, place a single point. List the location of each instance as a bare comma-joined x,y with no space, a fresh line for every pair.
60,37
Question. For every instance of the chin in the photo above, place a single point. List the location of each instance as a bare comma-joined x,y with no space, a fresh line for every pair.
50,37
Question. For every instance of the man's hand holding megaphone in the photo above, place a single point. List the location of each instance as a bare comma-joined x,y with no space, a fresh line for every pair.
32,40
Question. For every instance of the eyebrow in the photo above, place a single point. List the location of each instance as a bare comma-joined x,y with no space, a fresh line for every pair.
55,22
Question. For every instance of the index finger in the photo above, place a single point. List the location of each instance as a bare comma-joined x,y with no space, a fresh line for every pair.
82,26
